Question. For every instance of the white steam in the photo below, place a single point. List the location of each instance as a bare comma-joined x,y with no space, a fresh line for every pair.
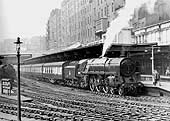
123,18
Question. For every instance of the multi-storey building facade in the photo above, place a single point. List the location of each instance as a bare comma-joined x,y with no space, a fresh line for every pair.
86,20
36,45
54,35
152,27
83,21
9,46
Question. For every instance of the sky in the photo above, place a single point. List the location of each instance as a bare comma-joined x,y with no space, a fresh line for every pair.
25,18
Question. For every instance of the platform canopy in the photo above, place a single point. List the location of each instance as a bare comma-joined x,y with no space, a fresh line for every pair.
93,51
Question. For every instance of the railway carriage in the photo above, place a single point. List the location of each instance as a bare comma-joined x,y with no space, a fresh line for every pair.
32,71
53,72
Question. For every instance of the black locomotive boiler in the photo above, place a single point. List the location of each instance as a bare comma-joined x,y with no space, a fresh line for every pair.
108,75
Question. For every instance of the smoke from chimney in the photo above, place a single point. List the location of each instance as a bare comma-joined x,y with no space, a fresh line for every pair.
124,15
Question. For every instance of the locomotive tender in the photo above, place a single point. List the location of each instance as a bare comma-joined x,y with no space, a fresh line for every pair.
108,75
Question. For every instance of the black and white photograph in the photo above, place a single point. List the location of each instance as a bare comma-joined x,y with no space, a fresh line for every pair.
84,60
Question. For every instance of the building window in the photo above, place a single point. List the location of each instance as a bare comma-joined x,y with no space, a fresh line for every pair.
136,38
105,11
101,12
163,36
143,38
112,7
98,15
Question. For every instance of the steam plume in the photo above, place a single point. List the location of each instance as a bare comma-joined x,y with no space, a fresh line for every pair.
123,18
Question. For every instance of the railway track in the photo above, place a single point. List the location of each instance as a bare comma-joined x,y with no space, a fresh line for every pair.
56,103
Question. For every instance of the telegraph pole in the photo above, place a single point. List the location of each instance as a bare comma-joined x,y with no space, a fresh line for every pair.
18,42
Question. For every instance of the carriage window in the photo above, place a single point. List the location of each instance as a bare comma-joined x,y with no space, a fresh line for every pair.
45,69
56,71
60,70
35,69
48,69
51,70
55,68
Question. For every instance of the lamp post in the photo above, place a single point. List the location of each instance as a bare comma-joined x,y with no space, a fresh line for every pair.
152,57
18,42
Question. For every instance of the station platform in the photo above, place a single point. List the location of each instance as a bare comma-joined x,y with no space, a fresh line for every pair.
162,88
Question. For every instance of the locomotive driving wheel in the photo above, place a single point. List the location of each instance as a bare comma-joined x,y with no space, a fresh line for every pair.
105,89
121,90
97,84
52,81
91,84
105,86
112,90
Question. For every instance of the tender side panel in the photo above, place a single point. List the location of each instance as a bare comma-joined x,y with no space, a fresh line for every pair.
81,67
71,70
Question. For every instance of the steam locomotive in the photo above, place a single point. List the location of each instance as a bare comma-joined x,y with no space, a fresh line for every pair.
108,75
